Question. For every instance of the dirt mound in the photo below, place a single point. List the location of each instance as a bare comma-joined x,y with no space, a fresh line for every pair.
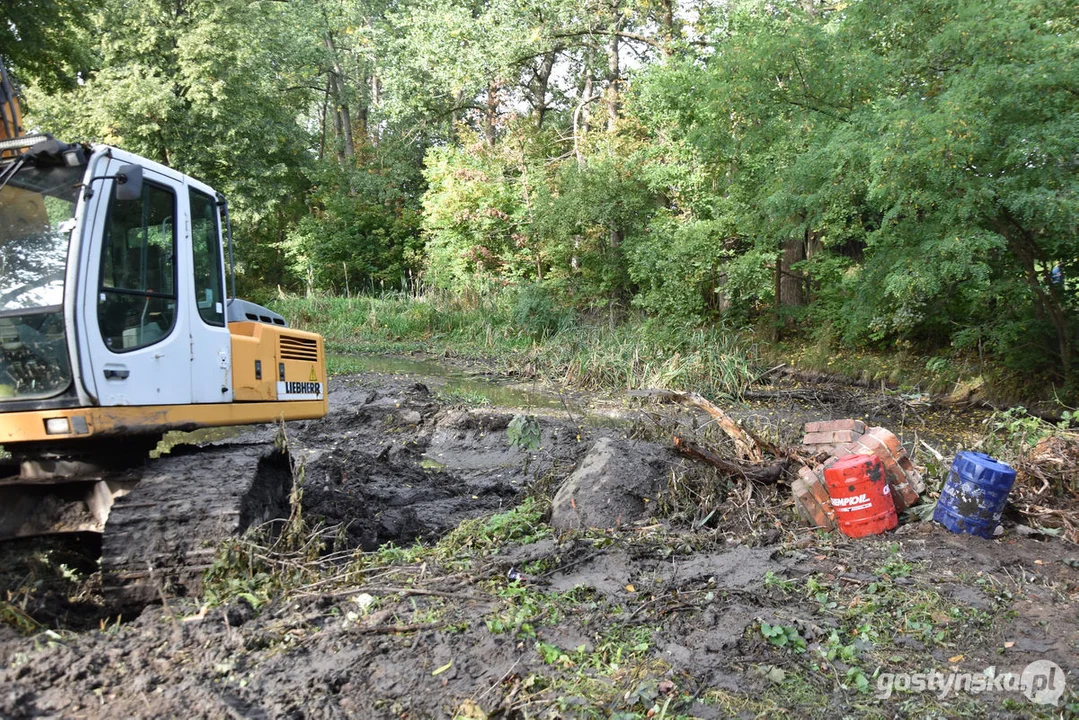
393,465
612,486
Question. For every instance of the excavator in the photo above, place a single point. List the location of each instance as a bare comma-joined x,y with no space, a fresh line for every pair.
115,329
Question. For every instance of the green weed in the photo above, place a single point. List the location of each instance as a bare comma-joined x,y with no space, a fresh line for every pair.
784,636
523,525
268,561
461,397
15,616
524,432
771,580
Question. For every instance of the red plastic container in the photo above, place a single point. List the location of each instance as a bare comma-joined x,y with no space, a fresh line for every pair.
860,496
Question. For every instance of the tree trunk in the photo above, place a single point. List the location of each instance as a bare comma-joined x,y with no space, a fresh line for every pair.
788,284
1047,300
581,118
614,242
362,115
323,120
540,89
791,284
338,131
376,100
346,125
667,23
813,243
490,117
363,112
343,121
614,78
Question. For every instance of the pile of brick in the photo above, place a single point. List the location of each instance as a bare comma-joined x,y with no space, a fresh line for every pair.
811,499
834,439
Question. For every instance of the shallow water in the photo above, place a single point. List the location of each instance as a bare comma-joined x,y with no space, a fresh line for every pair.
469,387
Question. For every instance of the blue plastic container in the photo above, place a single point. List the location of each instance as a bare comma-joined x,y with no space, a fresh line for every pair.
974,494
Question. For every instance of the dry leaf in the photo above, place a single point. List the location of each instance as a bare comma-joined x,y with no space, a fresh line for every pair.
470,710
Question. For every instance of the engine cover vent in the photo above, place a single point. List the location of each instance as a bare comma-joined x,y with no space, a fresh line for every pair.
298,348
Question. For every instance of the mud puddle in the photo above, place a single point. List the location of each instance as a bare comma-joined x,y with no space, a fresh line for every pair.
476,387
455,383
394,464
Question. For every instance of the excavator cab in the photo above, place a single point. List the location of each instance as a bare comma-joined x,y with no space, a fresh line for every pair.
113,314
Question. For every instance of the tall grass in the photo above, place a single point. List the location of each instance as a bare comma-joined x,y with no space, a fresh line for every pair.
401,321
579,353
635,356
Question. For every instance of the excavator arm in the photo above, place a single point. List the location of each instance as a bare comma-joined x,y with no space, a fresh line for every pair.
10,113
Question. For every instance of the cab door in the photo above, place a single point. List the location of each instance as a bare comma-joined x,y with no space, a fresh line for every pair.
134,324
211,343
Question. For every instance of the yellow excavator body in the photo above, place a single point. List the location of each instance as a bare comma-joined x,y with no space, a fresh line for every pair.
256,397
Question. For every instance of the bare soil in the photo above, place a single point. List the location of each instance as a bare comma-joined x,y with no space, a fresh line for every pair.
670,613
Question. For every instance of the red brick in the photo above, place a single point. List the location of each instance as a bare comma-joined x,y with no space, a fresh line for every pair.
909,495
913,476
834,425
843,449
889,439
815,484
830,437
820,491
809,508
886,446
871,443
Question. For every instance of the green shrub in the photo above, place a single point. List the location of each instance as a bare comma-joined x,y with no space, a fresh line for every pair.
536,314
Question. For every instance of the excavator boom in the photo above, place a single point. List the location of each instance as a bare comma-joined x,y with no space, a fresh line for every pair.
10,113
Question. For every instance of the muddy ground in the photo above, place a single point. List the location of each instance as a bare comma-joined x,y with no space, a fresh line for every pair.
442,587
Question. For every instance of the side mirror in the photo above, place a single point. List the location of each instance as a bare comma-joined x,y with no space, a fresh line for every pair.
129,182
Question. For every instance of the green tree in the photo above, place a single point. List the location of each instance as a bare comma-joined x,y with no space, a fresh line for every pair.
46,43
210,88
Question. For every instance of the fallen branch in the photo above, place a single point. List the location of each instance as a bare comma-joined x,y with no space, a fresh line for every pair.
932,451
406,592
763,474
746,446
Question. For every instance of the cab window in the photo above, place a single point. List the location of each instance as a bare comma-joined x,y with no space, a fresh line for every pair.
137,291
206,244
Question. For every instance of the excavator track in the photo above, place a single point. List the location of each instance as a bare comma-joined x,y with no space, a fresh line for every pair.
161,536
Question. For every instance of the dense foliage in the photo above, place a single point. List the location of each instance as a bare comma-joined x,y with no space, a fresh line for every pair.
889,175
